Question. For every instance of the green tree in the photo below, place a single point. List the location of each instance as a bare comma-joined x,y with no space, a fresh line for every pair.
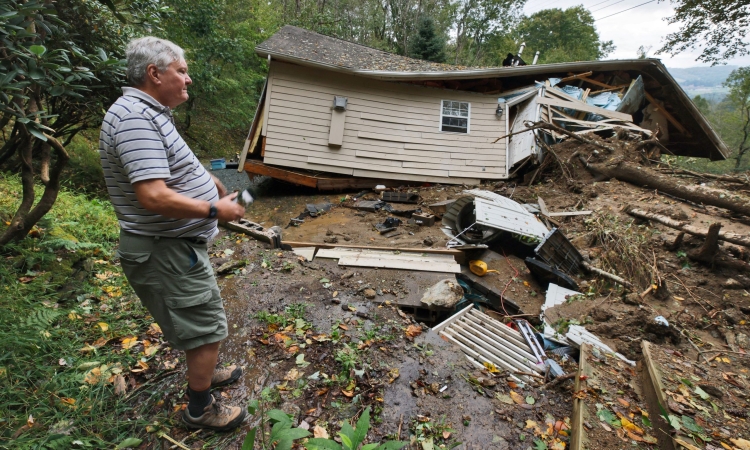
739,96
479,22
719,27
61,67
562,35
219,39
428,43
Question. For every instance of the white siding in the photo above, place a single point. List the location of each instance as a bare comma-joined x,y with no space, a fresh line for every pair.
392,130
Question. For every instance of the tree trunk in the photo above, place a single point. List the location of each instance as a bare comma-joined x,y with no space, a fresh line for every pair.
685,227
706,253
26,217
647,178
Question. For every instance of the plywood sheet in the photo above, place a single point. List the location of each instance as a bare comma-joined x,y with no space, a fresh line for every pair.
499,216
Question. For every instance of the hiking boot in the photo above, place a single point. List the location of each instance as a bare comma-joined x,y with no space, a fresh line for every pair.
216,417
226,375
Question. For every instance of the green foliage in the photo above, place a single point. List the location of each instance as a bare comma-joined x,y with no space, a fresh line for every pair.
427,44
562,36
282,434
352,438
219,39
719,27
738,83
481,27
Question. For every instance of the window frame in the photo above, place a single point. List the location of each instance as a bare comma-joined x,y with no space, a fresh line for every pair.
468,117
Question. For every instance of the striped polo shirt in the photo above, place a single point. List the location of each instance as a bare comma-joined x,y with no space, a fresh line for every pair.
138,141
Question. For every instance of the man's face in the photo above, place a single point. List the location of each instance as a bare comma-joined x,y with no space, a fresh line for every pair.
174,83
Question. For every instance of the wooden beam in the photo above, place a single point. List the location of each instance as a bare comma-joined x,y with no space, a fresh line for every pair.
258,168
578,106
652,100
572,77
457,254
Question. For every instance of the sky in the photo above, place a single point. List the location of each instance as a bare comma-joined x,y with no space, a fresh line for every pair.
643,25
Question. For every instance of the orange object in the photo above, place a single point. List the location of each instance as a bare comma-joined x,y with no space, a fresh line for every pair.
479,267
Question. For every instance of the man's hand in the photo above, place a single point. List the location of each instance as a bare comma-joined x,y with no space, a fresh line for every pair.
219,186
156,197
229,210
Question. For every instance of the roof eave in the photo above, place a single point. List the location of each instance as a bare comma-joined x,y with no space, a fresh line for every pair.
541,69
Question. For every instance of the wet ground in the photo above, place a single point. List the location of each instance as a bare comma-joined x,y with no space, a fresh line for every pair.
363,346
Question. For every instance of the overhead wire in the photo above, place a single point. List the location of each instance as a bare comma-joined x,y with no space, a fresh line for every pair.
620,12
607,6
597,4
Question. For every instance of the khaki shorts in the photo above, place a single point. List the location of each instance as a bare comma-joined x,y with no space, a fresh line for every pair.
175,282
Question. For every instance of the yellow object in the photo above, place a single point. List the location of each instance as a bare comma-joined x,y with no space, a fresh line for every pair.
479,268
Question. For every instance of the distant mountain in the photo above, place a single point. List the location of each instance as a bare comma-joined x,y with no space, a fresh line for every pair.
703,81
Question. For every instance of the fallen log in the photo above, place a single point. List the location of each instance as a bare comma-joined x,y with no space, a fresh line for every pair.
589,268
734,238
647,178
709,252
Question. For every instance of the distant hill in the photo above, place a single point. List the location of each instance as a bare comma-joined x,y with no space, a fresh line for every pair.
703,81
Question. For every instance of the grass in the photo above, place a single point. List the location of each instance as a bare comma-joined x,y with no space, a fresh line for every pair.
65,309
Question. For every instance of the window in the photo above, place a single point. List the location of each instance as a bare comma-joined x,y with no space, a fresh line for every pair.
454,116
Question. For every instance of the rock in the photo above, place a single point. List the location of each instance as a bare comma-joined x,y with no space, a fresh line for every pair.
347,275
428,241
731,283
331,240
711,390
742,341
444,294
369,293
734,316
632,299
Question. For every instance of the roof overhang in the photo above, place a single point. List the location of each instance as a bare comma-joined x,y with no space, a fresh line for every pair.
686,110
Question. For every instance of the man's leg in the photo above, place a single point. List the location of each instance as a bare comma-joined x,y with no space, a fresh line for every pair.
201,362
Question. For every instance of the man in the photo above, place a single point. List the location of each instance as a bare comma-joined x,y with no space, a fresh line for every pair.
167,205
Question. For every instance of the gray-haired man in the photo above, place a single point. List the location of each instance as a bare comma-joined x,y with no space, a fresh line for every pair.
168,205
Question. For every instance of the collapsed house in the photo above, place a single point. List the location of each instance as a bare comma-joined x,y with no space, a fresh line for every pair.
335,114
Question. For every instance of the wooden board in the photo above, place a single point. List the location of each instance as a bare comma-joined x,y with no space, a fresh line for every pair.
341,252
579,106
389,263
306,252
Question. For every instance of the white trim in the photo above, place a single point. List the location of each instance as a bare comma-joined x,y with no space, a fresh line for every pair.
468,117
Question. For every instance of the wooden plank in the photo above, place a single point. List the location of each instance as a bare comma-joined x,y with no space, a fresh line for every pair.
585,107
381,263
306,252
577,76
651,99
255,128
258,168
578,436
267,105
263,147
656,399
458,255
341,252
569,213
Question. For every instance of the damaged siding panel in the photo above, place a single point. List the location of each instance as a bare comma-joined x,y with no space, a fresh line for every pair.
382,119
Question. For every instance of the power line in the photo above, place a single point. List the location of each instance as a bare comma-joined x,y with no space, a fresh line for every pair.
636,6
597,4
607,6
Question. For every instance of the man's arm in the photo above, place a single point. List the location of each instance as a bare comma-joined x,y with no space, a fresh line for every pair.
156,197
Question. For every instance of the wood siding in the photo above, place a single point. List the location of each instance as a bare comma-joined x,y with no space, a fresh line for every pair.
392,130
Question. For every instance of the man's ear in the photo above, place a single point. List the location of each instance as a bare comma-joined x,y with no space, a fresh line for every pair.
152,72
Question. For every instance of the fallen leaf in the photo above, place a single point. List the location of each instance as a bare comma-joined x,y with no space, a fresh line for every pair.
68,401
320,432
321,392
624,402
349,394
446,434
726,446
343,327
128,342
491,368
140,366
293,375
413,331
691,446
742,444
120,386
393,374
30,421
154,329
512,385
517,397
103,326
505,398
530,400
93,376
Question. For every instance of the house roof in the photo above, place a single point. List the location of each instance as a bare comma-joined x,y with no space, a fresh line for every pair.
320,50
307,48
